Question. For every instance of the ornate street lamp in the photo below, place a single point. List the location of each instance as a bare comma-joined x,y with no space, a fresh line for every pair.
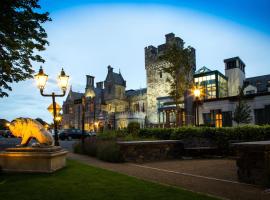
197,95
41,79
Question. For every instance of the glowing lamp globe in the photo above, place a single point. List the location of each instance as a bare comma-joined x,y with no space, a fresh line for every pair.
41,79
197,93
63,80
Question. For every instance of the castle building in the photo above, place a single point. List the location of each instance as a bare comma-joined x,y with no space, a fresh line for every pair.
109,105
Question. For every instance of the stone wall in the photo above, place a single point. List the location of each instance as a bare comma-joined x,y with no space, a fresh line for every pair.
253,163
143,151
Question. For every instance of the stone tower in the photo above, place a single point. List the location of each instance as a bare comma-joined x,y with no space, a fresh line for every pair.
235,71
157,84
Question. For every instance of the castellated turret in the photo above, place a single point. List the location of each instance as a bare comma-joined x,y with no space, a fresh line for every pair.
157,84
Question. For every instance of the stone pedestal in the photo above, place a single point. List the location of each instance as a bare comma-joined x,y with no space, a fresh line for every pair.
253,162
33,159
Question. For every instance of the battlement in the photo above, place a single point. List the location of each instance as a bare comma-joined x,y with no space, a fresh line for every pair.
152,53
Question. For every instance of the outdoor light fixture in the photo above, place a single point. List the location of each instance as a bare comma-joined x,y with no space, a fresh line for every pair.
197,92
41,79
58,118
63,80
197,95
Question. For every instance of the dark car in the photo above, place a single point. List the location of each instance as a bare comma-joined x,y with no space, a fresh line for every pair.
69,134
6,133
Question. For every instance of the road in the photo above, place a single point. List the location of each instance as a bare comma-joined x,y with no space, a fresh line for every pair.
12,142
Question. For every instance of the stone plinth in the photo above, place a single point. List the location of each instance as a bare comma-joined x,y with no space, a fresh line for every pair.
253,162
141,151
33,159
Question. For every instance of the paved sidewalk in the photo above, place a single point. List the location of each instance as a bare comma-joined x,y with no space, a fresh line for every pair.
215,177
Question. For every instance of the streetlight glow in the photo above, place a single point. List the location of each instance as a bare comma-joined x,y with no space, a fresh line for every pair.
63,80
41,79
197,92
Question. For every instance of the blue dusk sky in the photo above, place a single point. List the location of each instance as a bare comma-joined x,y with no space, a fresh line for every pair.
87,36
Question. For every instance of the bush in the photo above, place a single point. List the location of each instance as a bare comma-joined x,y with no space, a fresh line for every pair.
109,151
221,137
133,128
103,149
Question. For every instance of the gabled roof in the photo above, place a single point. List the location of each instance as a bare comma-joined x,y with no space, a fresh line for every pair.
131,93
118,79
74,95
202,70
115,78
260,82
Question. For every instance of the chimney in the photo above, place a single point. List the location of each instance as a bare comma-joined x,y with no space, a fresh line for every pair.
89,81
110,69
100,85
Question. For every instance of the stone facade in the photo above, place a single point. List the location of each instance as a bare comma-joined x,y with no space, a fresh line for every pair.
157,84
108,105
113,106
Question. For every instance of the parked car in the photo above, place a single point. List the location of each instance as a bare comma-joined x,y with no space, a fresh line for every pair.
69,134
6,133
90,134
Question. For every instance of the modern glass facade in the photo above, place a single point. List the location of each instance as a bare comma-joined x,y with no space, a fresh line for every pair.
213,84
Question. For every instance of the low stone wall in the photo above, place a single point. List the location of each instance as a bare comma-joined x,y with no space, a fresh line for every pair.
142,151
253,162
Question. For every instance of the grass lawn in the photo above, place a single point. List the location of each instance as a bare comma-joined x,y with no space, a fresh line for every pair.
79,181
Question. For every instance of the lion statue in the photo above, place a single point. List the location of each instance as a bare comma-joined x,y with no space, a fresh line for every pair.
27,129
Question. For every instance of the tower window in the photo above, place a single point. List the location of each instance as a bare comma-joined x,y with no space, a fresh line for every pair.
160,74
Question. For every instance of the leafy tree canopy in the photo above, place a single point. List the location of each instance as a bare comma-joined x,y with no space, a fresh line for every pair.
242,110
180,66
21,36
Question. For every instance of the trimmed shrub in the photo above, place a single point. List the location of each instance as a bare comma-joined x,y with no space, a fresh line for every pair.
220,137
109,151
103,149
133,128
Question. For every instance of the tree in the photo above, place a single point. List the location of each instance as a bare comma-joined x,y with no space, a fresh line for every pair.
242,110
3,124
21,37
180,63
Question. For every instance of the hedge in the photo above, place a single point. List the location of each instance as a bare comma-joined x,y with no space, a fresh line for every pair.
241,133
220,137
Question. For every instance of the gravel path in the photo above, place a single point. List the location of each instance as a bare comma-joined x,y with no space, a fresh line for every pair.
215,177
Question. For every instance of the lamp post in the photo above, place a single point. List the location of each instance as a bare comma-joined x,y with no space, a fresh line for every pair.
197,94
41,79
91,94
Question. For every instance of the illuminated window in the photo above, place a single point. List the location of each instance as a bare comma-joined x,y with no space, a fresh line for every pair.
213,77
183,118
218,120
196,80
